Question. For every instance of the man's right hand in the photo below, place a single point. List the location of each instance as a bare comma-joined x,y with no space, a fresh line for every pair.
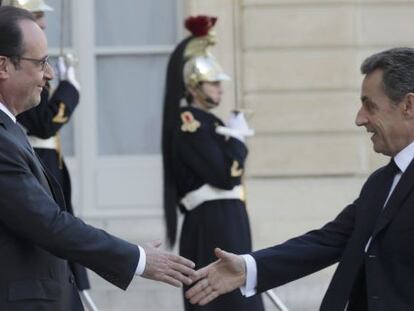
220,277
167,267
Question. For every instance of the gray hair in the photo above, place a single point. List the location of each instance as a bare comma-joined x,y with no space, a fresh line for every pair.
397,65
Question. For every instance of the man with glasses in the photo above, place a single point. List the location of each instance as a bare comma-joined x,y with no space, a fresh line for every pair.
37,235
43,123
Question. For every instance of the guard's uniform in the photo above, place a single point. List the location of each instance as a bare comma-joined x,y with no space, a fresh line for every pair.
209,169
43,123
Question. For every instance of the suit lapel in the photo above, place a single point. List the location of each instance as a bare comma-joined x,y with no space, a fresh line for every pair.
396,200
53,186
49,184
42,177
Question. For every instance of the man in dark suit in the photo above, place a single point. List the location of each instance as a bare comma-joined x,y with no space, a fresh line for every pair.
44,122
372,238
37,235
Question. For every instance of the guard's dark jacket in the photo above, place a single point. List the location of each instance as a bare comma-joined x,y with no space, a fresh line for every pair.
205,157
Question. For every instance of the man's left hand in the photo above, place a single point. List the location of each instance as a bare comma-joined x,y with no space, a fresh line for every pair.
220,277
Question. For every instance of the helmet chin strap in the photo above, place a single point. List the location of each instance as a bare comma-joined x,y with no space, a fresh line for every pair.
206,100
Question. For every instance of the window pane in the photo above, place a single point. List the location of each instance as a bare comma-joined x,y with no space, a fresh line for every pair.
54,28
135,22
130,91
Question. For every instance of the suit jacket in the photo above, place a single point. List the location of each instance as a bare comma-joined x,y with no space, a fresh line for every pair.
38,235
45,121
384,274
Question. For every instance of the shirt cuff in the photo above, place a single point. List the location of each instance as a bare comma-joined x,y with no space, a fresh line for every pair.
249,288
141,262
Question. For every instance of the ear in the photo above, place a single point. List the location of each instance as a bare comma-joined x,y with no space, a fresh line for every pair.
192,91
409,106
4,67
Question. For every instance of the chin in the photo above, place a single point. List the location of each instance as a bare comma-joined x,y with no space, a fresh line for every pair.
32,103
383,151
213,105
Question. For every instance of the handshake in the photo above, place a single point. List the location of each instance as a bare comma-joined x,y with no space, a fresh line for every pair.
220,277
66,70
236,127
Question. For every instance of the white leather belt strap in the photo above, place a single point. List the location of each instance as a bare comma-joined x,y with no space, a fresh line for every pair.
49,143
209,193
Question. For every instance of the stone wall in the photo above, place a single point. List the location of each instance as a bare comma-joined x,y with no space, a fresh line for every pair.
295,63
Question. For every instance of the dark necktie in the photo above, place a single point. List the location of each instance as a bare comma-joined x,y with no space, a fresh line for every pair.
389,173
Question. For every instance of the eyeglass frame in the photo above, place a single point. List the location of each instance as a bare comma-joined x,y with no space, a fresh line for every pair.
43,62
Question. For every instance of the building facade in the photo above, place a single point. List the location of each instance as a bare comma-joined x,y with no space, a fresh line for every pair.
294,65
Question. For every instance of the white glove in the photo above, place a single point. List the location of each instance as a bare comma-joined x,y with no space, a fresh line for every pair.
236,127
67,71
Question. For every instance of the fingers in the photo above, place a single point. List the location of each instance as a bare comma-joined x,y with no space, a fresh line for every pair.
168,276
199,291
213,295
171,269
183,269
202,293
181,260
220,254
181,273
200,274
172,281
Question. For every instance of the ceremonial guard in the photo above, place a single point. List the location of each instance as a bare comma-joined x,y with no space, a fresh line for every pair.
204,161
43,123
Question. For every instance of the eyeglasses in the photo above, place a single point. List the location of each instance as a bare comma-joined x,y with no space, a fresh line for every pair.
39,62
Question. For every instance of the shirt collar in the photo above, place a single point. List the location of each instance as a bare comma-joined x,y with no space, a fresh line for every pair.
404,157
7,112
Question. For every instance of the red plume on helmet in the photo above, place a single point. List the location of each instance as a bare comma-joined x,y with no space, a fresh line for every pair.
200,25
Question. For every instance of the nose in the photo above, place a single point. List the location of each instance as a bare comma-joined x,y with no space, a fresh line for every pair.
361,118
49,73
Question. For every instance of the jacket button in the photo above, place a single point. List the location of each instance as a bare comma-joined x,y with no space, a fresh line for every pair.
71,279
372,256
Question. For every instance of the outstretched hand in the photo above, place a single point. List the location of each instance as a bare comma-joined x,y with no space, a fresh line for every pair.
220,277
167,267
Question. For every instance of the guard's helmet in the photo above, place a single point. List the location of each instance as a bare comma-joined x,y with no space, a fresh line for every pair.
203,69
200,65
30,5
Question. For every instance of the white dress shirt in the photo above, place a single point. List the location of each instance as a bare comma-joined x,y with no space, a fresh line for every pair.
141,262
402,159
7,111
